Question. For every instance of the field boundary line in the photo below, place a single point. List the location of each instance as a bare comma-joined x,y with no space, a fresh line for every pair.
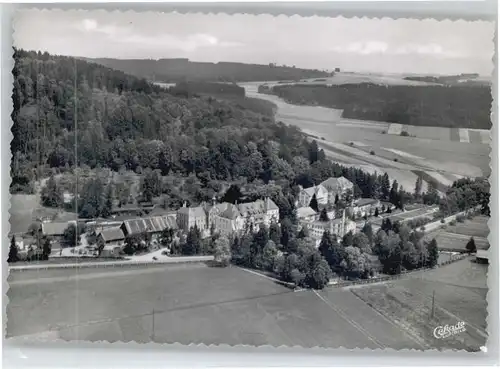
265,276
405,331
350,321
112,264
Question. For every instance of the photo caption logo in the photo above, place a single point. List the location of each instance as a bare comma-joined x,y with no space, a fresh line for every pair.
449,330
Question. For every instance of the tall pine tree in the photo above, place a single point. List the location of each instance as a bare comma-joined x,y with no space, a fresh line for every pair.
313,204
432,249
13,255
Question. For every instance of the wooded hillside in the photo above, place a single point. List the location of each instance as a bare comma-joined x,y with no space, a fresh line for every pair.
439,106
176,70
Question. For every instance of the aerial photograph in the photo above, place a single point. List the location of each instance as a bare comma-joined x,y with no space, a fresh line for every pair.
250,180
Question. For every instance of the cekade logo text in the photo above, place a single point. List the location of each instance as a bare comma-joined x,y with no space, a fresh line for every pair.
449,330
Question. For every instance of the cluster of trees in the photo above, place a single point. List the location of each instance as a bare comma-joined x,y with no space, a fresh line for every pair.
176,70
41,251
457,106
399,248
349,257
467,193
94,198
279,249
123,125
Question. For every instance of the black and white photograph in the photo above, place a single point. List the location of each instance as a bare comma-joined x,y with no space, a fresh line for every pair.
242,179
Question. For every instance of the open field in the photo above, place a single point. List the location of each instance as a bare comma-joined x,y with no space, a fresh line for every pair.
460,295
341,78
21,212
455,237
435,151
195,303
192,304
477,227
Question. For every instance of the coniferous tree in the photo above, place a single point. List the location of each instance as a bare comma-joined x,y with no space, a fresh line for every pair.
13,252
393,195
433,252
275,233
385,186
323,216
108,202
313,204
46,248
303,233
471,246
418,187
51,194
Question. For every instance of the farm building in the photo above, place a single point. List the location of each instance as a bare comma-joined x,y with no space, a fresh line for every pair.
110,236
482,256
151,225
54,229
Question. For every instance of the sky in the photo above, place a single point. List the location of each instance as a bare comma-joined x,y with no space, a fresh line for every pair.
357,44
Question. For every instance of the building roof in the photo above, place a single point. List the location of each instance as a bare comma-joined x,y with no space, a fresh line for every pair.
305,211
150,224
482,254
231,212
196,212
310,191
159,211
366,201
337,184
112,234
270,204
54,228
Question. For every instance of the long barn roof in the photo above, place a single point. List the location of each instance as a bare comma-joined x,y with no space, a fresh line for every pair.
150,224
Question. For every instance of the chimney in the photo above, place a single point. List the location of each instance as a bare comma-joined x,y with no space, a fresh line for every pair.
184,204
214,200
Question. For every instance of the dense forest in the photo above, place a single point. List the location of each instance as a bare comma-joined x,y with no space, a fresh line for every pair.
226,91
178,70
185,148
439,106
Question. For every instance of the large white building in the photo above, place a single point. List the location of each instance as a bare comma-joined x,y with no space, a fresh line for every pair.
339,227
326,192
337,187
228,218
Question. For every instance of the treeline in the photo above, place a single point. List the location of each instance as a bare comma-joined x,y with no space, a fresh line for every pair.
440,106
446,80
197,141
120,125
188,89
399,248
178,70
226,91
465,194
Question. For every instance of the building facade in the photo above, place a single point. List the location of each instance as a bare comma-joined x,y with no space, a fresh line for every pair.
326,192
307,194
228,218
339,188
363,207
339,227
